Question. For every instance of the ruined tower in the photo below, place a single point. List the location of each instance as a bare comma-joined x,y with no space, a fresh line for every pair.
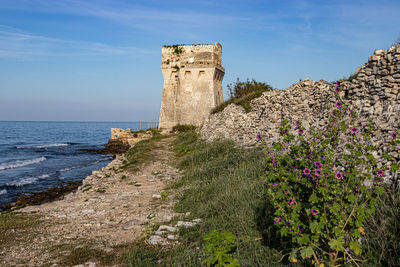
192,83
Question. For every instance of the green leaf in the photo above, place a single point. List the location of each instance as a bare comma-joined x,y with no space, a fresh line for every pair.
335,208
337,244
351,197
313,198
314,227
355,246
292,256
306,252
394,167
379,190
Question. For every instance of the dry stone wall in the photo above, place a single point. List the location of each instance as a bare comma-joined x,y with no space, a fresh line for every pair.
374,93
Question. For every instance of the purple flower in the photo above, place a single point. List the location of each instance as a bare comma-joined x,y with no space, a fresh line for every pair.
393,135
314,212
354,130
291,201
318,172
258,137
379,173
339,175
301,131
307,171
337,86
318,165
339,104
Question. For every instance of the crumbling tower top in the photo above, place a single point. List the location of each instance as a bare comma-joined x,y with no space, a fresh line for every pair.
192,83
190,56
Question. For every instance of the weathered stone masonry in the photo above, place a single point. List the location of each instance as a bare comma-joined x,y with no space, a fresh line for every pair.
192,83
374,94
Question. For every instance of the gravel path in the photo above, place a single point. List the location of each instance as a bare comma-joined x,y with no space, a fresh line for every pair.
112,208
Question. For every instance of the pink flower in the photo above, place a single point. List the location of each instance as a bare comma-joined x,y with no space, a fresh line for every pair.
339,104
339,175
291,201
317,172
307,171
301,131
354,130
379,173
258,137
393,135
318,165
314,212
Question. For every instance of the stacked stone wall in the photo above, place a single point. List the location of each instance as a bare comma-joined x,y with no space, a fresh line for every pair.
374,93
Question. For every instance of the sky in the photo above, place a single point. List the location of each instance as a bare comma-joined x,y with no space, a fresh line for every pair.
99,60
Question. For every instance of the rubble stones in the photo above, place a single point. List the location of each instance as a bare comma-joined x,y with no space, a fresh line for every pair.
374,93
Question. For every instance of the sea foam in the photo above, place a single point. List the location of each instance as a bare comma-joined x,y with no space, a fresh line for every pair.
20,163
29,180
42,146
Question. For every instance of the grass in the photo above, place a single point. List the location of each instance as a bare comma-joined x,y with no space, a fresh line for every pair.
15,225
222,187
181,128
84,254
382,240
137,155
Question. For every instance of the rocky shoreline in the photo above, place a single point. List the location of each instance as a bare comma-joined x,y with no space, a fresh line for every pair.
37,198
111,207
120,142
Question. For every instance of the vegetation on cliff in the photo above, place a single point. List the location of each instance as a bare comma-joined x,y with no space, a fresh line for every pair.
241,93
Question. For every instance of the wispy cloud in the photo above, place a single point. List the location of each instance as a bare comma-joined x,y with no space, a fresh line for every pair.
149,16
17,44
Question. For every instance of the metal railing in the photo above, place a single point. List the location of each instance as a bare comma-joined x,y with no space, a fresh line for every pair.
144,125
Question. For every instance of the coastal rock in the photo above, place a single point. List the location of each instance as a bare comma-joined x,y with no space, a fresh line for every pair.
110,217
129,137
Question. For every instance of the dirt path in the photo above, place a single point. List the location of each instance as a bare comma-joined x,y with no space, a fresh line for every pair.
112,208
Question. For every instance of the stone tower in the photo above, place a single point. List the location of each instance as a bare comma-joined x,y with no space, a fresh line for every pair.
192,83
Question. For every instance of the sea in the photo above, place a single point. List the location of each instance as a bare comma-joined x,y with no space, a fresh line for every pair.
35,156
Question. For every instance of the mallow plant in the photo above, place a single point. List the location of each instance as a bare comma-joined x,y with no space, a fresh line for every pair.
323,184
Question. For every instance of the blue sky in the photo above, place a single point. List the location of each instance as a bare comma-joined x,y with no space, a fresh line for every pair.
99,60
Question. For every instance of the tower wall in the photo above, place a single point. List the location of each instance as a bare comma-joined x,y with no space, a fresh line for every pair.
192,83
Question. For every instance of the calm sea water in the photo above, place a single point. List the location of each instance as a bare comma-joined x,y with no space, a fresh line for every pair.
35,156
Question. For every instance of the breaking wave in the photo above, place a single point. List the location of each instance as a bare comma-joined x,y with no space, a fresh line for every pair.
20,163
2,192
29,180
42,146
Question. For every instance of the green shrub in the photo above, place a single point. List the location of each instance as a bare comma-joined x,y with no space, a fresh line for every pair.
317,186
219,247
181,128
241,93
